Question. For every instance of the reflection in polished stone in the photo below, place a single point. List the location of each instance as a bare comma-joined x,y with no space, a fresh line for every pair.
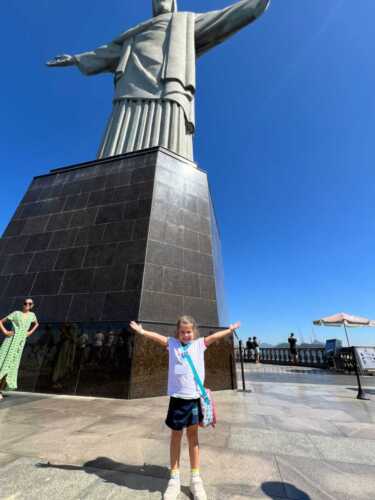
104,359
77,358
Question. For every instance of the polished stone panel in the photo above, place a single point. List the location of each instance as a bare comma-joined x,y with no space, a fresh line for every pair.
100,256
17,264
38,242
43,261
47,283
19,285
77,358
118,231
55,307
87,305
63,239
71,258
105,242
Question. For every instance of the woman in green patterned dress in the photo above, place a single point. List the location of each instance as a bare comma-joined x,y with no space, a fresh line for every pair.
12,348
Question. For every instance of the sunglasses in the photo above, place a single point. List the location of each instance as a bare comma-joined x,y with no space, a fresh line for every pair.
28,303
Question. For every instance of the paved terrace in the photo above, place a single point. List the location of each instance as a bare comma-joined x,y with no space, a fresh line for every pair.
300,434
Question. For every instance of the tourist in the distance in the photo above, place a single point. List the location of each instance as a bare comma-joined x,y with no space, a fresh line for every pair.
184,407
24,323
293,348
256,349
249,349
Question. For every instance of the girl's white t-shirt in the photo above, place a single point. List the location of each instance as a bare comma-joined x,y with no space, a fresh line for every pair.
181,382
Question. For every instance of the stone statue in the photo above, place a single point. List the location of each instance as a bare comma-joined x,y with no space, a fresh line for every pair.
154,74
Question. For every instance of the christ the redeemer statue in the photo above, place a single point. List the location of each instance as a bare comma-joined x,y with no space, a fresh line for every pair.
154,74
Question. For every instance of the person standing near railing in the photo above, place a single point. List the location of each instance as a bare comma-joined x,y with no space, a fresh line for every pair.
256,349
293,348
249,349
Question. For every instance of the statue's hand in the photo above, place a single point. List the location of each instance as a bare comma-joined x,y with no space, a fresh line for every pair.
63,60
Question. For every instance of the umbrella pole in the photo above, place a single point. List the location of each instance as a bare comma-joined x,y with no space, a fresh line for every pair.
361,393
347,336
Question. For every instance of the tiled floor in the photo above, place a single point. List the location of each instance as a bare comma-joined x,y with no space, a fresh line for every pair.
292,437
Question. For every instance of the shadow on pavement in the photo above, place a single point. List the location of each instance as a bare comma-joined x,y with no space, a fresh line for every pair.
366,389
276,490
272,489
125,475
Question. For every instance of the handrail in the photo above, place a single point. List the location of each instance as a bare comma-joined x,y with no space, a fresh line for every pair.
341,361
306,356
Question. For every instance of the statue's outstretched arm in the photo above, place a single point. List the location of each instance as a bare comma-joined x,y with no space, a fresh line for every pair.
102,60
61,60
212,28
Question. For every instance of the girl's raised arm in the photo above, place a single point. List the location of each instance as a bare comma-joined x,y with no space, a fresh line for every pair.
219,335
156,337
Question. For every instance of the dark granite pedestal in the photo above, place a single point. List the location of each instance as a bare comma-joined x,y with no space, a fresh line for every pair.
99,244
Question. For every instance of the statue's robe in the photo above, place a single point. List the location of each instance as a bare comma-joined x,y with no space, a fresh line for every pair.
154,72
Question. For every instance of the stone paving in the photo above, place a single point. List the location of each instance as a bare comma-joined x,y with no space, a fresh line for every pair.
293,437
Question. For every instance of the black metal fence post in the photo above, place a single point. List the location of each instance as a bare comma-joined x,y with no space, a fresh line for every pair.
361,393
242,366
242,363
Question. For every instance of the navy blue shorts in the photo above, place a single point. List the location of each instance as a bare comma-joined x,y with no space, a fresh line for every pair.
183,413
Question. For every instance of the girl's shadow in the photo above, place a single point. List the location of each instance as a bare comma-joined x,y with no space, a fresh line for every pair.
151,478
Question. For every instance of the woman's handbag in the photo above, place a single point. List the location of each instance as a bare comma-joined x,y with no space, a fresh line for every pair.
207,403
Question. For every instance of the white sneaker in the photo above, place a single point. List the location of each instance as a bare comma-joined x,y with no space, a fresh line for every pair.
173,489
197,489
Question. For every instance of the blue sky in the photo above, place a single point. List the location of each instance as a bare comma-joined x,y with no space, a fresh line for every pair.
286,120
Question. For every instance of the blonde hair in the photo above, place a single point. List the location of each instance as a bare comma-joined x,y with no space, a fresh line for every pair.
187,320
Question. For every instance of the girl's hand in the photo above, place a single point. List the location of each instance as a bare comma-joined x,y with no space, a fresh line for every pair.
235,326
137,328
156,337
8,333
220,335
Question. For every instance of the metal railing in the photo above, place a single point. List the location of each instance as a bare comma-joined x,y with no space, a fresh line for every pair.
342,361
306,356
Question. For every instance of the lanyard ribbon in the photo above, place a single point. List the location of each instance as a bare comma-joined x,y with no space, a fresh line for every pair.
197,378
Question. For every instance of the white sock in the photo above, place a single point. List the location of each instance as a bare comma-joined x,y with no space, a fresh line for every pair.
175,474
195,473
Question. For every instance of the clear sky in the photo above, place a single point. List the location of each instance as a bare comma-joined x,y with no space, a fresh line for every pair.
286,121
